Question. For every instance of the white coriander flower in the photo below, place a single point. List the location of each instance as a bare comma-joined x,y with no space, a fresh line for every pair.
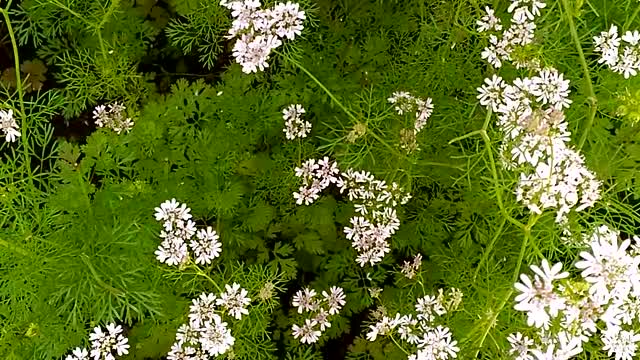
610,270
295,126
173,252
620,343
252,52
520,346
631,37
525,9
113,117
438,343
383,327
335,298
290,19
307,332
491,92
307,170
322,319
551,88
172,211
206,247
78,354
104,344
187,333
608,44
489,21
9,126
327,172
493,53
305,300
235,300
215,337
177,352
202,310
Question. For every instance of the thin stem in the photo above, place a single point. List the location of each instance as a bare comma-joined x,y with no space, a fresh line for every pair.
585,68
321,85
487,252
24,125
202,273
398,345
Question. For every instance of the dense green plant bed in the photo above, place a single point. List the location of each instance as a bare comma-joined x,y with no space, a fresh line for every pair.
323,179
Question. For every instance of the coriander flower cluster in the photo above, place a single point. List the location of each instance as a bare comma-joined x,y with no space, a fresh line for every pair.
112,117
9,126
105,345
320,310
519,34
374,202
179,234
420,332
625,62
404,102
566,312
410,268
376,220
259,31
553,175
294,125
206,334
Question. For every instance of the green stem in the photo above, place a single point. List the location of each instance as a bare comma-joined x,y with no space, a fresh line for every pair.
585,68
398,345
324,88
24,125
202,273
487,252
111,289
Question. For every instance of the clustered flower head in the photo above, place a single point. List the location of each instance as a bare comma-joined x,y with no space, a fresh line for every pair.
374,201
519,34
625,62
530,114
320,310
421,331
179,233
405,102
112,117
105,345
294,125
566,314
410,268
9,126
206,334
259,31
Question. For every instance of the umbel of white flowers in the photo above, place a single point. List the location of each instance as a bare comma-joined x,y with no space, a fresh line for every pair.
179,231
608,44
294,125
207,334
422,331
112,117
374,201
565,311
9,126
321,310
530,114
105,345
259,31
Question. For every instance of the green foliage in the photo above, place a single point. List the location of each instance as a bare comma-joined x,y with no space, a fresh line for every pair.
77,232
200,28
